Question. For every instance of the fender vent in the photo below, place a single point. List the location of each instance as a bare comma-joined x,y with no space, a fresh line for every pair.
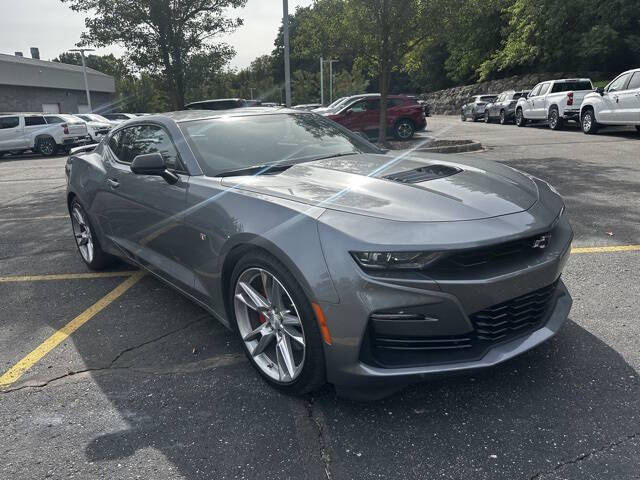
423,174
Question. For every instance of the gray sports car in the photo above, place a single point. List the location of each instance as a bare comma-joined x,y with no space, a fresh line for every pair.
333,260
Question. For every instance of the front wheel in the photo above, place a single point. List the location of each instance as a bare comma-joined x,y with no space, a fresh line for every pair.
86,239
404,130
520,120
503,118
487,119
555,122
276,324
463,117
588,122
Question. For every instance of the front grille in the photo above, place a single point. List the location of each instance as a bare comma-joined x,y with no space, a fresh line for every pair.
495,253
500,323
520,314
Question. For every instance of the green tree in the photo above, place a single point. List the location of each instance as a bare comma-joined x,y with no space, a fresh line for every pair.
161,36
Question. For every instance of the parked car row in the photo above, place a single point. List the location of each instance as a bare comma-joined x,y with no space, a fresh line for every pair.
560,101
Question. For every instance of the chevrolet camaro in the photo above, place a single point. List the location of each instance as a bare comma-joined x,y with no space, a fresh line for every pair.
333,260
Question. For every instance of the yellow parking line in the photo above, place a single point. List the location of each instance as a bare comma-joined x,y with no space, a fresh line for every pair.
15,372
612,249
64,276
27,219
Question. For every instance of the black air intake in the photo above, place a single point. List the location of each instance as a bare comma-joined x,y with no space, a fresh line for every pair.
423,174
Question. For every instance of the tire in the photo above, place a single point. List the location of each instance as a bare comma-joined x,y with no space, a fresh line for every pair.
86,239
253,327
520,120
503,118
588,122
555,121
404,129
46,146
463,117
474,118
487,119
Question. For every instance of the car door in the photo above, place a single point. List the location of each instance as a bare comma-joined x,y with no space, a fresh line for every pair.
541,105
11,134
611,110
529,104
354,117
33,126
629,101
144,213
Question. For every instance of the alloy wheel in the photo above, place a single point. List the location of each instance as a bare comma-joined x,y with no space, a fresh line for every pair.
405,130
270,325
47,147
82,234
553,119
502,118
587,122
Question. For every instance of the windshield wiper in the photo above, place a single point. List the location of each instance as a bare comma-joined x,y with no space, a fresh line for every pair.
256,170
336,155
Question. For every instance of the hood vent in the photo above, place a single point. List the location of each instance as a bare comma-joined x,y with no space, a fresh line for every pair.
423,174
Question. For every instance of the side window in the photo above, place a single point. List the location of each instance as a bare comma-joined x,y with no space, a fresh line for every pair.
51,119
373,105
34,120
154,139
635,81
126,145
619,83
114,143
544,88
9,122
359,107
535,91
394,102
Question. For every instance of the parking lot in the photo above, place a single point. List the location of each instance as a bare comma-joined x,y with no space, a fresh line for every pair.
147,385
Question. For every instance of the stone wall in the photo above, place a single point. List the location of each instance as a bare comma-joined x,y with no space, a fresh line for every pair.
449,101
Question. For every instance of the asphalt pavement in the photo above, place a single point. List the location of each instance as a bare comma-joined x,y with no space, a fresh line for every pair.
149,386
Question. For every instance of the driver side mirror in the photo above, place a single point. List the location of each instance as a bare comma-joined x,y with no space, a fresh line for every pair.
153,164
600,90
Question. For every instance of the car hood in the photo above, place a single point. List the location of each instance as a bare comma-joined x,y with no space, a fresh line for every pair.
360,184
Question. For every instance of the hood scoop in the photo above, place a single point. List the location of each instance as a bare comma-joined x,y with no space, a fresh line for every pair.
423,174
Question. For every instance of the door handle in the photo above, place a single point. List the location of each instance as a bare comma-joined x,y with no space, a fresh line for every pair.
617,99
113,183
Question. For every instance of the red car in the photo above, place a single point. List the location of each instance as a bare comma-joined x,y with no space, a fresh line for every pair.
405,116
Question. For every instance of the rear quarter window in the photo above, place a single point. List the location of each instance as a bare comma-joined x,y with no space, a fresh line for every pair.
9,122
571,86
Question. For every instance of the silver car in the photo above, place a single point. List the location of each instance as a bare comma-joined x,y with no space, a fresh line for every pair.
333,261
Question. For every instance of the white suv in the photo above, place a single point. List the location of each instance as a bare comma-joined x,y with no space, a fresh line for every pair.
617,104
42,133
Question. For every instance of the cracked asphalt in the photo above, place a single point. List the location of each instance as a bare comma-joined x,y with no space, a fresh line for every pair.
152,387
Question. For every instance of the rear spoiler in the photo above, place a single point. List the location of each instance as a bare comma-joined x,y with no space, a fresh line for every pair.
83,149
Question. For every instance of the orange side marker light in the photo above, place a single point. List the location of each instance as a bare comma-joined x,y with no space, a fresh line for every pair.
324,330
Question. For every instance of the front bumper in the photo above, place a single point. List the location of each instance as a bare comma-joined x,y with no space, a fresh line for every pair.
451,301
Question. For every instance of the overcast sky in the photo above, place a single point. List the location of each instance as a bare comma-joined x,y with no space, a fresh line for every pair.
52,27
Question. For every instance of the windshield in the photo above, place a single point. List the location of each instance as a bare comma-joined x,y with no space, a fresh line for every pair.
235,143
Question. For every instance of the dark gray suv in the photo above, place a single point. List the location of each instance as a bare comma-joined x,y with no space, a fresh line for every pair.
504,107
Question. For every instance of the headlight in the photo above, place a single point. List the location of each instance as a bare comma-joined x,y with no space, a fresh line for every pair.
396,260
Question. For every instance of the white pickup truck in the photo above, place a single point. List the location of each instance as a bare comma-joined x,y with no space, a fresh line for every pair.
553,101
42,133
616,104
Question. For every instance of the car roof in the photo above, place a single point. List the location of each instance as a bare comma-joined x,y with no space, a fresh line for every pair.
565,80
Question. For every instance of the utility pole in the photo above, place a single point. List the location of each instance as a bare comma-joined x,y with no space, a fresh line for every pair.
287,64
322,81
84,70
331,62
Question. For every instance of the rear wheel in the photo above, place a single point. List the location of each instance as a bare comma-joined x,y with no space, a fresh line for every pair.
86,239
404,129
47,146
503,117
555,122
487,119
520,120
588,122
276,324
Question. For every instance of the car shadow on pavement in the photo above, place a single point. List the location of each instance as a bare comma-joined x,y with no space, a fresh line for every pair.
191,395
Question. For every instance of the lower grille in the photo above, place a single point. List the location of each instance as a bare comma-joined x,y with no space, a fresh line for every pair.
519,314
500,323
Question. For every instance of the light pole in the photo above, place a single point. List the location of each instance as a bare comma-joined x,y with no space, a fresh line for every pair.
287,64
84,70
331,62
321,81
